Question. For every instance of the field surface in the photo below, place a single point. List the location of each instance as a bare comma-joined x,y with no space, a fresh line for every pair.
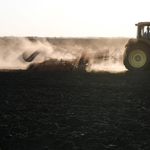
62,110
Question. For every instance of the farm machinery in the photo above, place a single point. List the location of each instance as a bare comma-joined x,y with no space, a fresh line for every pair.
136,56
79,60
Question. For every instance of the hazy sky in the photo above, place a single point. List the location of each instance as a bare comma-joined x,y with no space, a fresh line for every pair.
72,18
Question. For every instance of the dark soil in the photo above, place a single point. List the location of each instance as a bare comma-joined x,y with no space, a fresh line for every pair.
53,110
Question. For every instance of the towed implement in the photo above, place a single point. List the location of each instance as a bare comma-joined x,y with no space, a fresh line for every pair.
80,60
51,64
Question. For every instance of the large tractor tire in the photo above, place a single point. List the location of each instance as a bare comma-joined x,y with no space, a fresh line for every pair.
137,58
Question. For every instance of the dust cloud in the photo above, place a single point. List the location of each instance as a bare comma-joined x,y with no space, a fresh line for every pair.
108,66
116,47
112,63
12,49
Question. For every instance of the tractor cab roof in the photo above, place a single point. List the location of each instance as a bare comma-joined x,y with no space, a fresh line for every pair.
143,23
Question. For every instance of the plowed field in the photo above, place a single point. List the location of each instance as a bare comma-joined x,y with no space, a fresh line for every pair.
62,110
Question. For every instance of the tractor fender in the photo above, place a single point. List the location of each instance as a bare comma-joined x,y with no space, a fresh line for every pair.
131,42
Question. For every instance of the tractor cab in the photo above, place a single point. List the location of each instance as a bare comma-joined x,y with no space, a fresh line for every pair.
143,30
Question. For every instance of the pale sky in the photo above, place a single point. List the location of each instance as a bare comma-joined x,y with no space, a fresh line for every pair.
72,18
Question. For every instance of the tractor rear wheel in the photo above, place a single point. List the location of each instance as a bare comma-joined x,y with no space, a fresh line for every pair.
137,58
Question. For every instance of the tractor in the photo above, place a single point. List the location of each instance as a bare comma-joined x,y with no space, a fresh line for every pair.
136,56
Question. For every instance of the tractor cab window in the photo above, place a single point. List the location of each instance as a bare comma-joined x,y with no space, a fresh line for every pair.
145,31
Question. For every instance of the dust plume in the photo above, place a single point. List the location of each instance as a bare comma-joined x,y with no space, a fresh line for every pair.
13,48
113,63
108,66
112,50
